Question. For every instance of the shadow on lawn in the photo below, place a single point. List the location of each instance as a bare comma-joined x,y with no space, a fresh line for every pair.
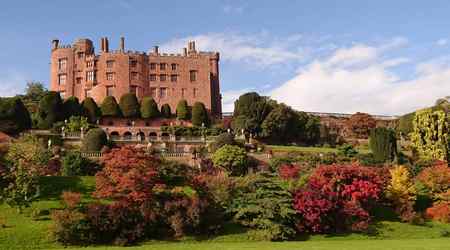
51,187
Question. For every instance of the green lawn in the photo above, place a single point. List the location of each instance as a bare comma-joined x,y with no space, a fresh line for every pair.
23,232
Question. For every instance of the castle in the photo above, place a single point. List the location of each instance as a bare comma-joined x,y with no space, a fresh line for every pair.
192,75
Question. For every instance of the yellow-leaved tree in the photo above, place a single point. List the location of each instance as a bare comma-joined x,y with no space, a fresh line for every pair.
402,193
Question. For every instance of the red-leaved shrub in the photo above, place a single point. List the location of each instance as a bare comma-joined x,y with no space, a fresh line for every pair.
289,171
338,198
71,199
440,211
436,178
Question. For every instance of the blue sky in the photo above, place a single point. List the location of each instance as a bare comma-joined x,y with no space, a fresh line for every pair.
384,57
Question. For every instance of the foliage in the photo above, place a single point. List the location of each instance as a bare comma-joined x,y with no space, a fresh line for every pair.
91,110
383,144
110,108
34,92
14,117
219,184
69,227
165,111
405,124
282,124
360,124
50,110
183,112
129,105
76,123
338,198
430,134
199,115
401,191
232,158
94,140
347,150
440,211
221,140
72,107
192,131
250,110
436,179
149,108
261,203
76,165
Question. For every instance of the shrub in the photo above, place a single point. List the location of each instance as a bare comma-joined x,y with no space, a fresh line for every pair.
232,158
383,144
338,198
347,150
264,206
110,108
165,111
405,124
288,172
72,107
76,165
129,105
94,140
183,110
149,108
70,227
90,110
50,110
222,140
430,134
71,199
440,211
219,185
199,115
76,123
401,191
14,117
436,179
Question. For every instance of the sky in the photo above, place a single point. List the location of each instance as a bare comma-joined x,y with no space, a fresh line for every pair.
381,57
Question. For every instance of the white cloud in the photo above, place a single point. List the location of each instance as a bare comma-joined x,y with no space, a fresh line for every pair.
442,42
12,83
258,50
330,85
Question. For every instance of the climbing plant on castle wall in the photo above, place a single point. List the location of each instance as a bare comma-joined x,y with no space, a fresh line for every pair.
430,134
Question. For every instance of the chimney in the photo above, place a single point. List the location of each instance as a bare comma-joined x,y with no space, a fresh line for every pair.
122,44
106,44
156,49
102,44
185,51
191,46
55,44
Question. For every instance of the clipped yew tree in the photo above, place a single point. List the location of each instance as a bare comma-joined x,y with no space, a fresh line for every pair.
14,116
166,112
430,134
383,143
183,110
199,114
50,110
72,107
129,105
149,108
110,108
90,109
94,140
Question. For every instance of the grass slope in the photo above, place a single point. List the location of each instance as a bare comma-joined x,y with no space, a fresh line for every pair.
24,232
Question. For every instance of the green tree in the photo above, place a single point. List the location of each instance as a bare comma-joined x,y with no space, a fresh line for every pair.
183,110
129,105
110,107
149,108
50,110
94,140
14,117
430,134
91,110
72,107
199,114
281,124
232,158
165,111
383,143
35,91
250,110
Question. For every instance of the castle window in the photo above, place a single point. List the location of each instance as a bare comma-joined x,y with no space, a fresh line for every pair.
109,90
90,76
78,80
152,66
183,91
134,75
162,66
152,77
193,75
194,92
80,55
62,63
62,79
89,64
162,78
110,76
109,63
173,78
153,92
174,66
133,90
133,63
162,92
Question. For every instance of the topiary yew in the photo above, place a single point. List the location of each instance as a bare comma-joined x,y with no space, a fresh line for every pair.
199,115
149,108
129,105
94,140
183,110
383,143
165,111
90,109
110,107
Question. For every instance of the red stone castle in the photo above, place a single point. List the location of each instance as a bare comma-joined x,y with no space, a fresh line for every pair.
192,75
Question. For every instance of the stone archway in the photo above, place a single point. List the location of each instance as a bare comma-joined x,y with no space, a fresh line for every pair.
165,136
114,135
153,136
127,135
